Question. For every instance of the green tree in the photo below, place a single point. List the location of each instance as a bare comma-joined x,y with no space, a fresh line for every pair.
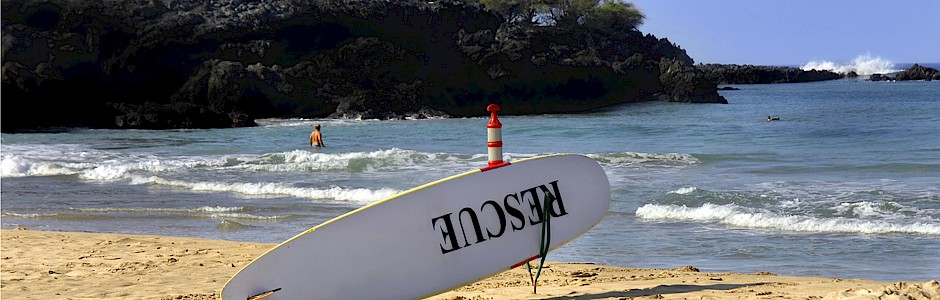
597,14
512,10
614,15
567,12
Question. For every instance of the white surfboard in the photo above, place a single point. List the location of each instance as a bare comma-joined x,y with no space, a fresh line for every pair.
435,237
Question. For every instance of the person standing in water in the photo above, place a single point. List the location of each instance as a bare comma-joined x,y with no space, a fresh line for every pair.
316,139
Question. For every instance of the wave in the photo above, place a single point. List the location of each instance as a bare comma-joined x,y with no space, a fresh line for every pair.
391,159
228,225
862,65
355,121
627,158
57,216
274,189
97,214
96,165
684,191
209,209
734,215
302,122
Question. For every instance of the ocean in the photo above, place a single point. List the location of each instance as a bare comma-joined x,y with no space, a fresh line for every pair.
846,184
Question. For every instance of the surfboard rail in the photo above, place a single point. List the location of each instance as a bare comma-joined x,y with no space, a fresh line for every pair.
434,237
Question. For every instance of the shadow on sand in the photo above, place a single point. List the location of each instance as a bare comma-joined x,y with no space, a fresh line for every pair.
659,290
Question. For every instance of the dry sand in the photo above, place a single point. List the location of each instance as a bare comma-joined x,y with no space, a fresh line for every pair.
68,265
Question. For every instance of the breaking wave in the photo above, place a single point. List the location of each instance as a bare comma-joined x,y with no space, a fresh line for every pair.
203,209
144,212
105,166
734,215
627,158
684,191
863,65
274,189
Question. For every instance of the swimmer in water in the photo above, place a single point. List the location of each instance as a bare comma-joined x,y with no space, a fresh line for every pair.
316,139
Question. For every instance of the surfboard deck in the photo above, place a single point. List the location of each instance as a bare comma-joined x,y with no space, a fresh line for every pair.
435,237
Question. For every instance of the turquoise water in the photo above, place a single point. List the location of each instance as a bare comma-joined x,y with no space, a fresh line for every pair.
845,184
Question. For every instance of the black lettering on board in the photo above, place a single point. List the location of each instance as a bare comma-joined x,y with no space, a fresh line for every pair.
447,232
523,207
500,214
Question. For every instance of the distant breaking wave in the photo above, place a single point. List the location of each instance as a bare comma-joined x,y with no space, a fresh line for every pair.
216,212
625,158
203,209
734,215
105,166
274,189
97,165
863,65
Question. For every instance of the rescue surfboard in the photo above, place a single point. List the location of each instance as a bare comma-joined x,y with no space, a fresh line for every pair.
435,237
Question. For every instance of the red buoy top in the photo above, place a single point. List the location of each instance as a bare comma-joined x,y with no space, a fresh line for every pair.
494,121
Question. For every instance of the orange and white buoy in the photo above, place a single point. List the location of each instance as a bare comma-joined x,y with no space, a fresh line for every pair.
494,137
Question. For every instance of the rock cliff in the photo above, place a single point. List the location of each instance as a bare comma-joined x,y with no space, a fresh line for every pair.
221,63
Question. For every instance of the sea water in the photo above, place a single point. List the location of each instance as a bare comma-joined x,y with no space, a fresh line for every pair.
846,183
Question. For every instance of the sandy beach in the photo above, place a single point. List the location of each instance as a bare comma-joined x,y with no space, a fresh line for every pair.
69,265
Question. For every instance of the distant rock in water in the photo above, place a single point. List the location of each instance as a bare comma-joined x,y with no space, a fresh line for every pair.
918,72
878,77
199,64
750,74
915,72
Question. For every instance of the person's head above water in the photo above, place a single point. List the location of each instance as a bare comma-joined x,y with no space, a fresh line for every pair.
318,127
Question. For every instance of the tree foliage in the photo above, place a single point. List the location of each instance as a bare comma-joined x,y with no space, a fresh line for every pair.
600,15
512,10
614,15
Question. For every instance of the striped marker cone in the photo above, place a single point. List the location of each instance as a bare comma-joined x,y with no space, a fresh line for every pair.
494,137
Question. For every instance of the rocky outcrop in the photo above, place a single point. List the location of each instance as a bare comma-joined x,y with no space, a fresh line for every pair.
682,84
197,64
750,74
915,72
918,72
878,77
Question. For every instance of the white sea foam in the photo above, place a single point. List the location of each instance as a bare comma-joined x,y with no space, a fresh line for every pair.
390,159
734,215
104,173
95,165
299,122
638,158
57,160
18,215
274,189
861,209
14,166
684,191
862,65
209,209
243,216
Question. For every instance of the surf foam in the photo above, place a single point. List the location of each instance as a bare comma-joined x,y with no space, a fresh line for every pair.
684,191
862,65
734,215
625,158
94,165
274,189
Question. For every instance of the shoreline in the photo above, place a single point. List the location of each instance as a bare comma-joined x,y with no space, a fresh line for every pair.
51,264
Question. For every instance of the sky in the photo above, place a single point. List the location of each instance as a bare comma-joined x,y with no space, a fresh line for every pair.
797,32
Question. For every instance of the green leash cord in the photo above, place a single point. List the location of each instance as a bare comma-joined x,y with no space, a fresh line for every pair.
544,243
